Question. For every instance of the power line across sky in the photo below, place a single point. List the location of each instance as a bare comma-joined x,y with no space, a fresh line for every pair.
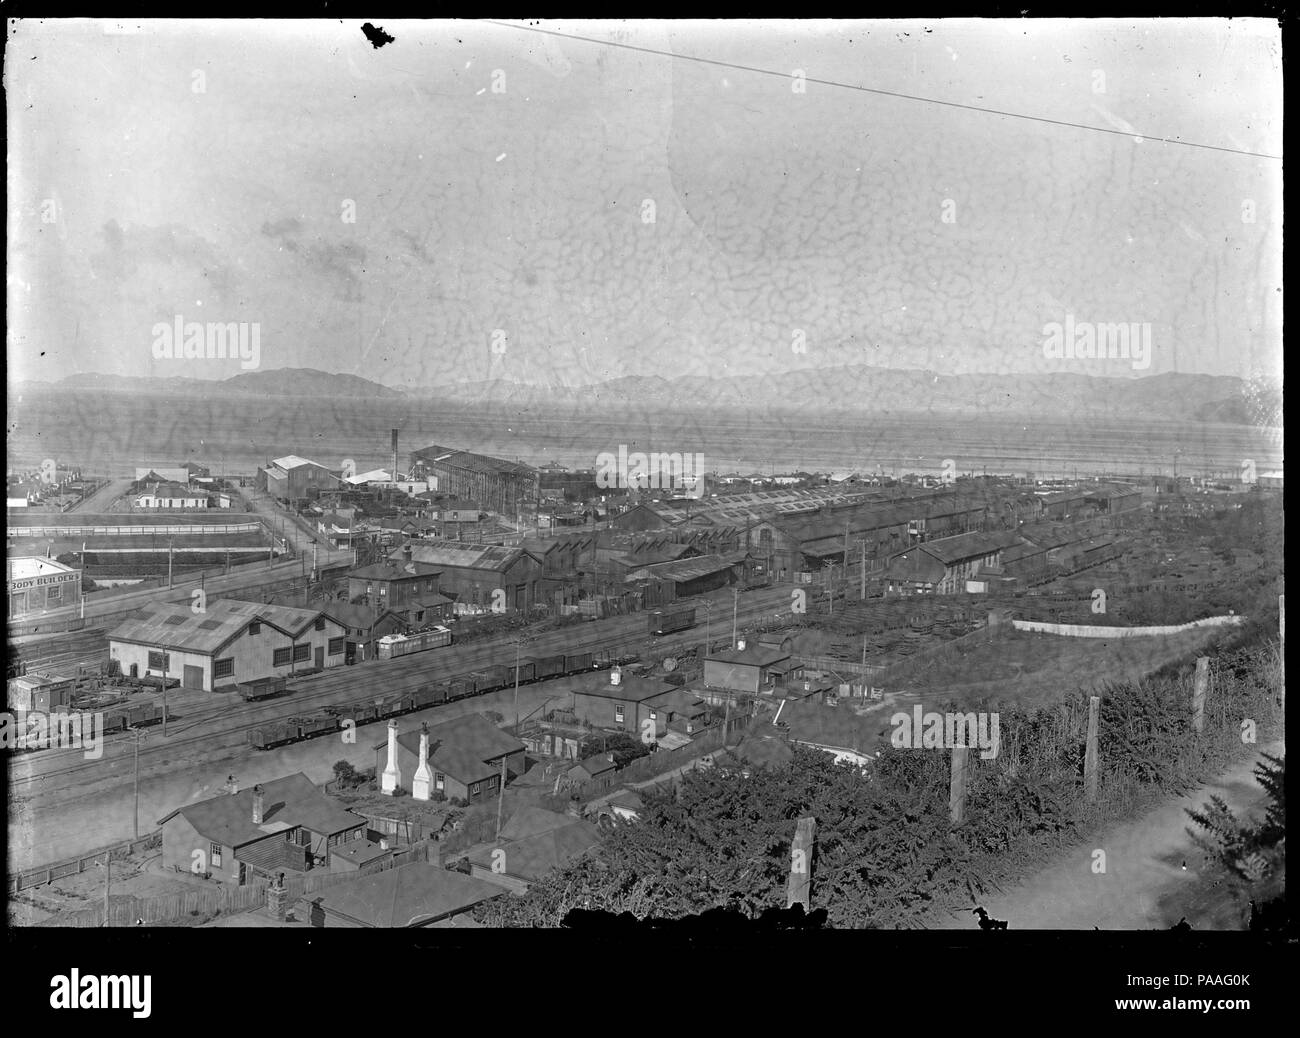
885,93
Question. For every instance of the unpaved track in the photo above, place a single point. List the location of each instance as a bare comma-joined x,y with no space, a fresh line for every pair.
1144,886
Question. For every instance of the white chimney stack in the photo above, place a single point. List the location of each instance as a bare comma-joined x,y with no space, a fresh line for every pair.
392,778
422,783
259,804
741,645
615,676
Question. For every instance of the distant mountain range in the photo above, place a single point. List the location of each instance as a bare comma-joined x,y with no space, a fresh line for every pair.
1176,397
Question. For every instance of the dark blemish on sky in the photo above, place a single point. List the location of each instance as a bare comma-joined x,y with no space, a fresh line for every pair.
377,37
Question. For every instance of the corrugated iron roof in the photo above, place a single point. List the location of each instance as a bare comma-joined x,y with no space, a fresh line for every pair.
409,895
176,626
683,569
459,553
452,457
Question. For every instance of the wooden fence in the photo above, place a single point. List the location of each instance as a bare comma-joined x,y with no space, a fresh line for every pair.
39,877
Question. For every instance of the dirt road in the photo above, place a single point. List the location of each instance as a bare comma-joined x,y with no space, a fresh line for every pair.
1145,885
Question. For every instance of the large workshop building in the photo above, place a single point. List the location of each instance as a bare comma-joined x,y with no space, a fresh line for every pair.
505,487
291,478
37,585
471,573
942,567
228,643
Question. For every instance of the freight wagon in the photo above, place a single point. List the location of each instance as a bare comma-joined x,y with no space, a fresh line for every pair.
666,622
395,645
548,667
262,688
494,678
576,663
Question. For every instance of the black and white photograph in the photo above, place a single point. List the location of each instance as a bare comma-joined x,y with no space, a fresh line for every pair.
761,476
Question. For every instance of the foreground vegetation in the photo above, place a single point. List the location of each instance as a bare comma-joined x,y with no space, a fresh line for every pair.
886,855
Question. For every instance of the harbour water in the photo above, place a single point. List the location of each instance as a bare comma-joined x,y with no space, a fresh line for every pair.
113,433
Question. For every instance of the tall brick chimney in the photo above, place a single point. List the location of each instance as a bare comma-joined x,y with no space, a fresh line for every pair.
422,783
259,804
391,780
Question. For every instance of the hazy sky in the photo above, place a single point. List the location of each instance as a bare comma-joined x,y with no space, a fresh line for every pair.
500,180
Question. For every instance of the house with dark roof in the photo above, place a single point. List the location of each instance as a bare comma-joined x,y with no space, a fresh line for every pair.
585,771
838,730
615,699
416,894
228,642
363,626
286,825
465,756
750,667
518,863
392,583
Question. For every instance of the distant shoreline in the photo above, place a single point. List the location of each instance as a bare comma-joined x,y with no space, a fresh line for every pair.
117,432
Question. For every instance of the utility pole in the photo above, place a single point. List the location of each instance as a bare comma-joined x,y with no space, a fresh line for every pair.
501,800
863,545
108,869
170,543
735,610
135,818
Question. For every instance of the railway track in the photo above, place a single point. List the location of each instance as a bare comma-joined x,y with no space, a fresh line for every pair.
341,686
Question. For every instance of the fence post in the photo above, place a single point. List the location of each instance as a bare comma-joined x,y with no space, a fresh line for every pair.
957,785
1090,757
1199,686
1281,649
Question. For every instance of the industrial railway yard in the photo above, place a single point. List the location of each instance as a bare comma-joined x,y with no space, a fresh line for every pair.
201,731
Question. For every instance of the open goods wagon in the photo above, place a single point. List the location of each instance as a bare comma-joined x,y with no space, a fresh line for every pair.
262,688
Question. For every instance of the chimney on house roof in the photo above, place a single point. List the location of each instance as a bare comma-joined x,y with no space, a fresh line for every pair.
259,803
406,552
232,787
615,675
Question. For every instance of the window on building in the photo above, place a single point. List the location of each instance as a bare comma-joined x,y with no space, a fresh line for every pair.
492,783
281,657
618,714
302,652
439,780
223,668
320,623
157,661
214,855
336,646
54,594
476,789
254,628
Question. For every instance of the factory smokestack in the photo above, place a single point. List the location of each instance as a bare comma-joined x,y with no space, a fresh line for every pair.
395,476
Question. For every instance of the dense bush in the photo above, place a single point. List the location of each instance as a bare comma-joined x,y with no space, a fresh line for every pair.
886,854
